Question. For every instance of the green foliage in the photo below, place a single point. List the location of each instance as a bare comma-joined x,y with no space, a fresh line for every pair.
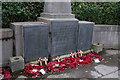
20,11
100,13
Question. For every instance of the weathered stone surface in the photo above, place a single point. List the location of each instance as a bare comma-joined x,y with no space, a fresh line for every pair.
95,74
7,50
6,33
112,52
107,35
16,63
19,39
63,36
56,15
36,39
85,33
112,75
106,27
103,69
57,9
6,44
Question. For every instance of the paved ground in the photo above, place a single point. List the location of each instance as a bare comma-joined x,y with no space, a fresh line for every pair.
108,68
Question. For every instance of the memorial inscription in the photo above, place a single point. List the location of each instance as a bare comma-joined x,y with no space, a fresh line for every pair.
36,42
64,34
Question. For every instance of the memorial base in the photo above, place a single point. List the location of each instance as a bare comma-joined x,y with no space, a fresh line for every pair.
63,35
31,39
85,33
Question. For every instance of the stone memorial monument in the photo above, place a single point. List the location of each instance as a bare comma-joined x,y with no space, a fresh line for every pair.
62,33
63,27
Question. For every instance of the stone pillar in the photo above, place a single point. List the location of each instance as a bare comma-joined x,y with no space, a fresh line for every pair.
57,7
56,10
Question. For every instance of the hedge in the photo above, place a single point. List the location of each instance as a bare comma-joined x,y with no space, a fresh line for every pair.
20,11
100,13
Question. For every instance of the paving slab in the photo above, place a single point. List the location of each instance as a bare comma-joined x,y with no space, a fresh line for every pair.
95,74
111,52
59,76
112,75
110,60
104,69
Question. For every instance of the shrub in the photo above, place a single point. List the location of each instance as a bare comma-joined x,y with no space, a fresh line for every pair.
100,13
20,11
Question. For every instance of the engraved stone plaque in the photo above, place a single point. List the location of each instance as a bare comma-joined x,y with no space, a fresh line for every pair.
36,40
63,37
85,34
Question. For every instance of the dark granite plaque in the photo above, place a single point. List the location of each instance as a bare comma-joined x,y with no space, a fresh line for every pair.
63,39
36,42
85,36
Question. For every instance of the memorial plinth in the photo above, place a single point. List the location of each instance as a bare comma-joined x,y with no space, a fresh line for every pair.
31,39
85,33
